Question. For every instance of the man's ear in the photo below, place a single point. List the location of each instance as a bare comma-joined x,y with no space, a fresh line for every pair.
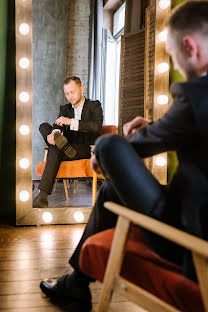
190,46
82,89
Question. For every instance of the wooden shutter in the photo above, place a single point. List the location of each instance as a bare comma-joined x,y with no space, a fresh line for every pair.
132,77
149,61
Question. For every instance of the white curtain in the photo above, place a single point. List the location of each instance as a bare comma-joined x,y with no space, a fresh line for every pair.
94,91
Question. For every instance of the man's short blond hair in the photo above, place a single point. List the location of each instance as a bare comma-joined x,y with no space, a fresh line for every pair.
73,78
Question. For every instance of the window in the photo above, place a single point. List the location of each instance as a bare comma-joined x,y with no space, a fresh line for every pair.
111,50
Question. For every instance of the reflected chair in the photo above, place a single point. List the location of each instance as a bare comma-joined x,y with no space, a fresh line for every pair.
123,260
76,168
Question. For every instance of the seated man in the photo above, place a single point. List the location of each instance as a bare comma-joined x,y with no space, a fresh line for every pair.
78,125
184,129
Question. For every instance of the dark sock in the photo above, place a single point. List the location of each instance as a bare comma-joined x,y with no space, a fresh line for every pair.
43,194
77,279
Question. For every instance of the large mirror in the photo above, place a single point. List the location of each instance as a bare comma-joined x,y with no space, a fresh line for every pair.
46,31
45,46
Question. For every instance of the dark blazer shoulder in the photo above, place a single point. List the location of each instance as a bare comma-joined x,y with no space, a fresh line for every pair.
190,87
66,106
196,93
92,102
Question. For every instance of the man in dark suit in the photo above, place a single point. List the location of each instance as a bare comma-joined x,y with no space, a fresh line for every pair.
184,129
78,125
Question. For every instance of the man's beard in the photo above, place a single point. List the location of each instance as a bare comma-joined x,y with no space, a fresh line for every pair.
77,101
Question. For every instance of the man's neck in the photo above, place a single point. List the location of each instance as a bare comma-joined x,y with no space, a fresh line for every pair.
80,102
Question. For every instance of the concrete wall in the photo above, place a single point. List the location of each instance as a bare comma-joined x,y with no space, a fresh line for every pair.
50,27
78,40
60,49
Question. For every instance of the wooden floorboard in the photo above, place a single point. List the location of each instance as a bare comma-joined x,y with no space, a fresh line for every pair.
31,254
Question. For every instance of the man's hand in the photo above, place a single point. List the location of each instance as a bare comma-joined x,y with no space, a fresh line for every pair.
134,125
50,139
94,164
63,121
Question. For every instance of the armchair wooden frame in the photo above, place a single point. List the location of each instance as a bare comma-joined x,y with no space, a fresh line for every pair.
114,282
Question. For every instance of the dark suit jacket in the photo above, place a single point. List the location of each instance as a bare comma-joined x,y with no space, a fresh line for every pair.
89,126
184,129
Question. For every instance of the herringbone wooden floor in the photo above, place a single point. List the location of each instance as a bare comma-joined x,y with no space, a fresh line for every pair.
30,254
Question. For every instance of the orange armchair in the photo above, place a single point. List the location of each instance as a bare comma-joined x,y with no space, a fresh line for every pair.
76,168
123,260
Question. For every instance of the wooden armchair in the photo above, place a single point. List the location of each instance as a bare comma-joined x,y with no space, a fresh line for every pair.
125,262
75,168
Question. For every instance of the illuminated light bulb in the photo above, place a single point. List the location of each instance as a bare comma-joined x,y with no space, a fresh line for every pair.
24,29
24,195
162,99
24,130
163,35
164,4
78,216
24,163
24,97
162,67
47,217
160,161
24,63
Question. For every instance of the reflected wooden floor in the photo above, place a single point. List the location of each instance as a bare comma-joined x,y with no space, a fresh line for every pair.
82,198
30,254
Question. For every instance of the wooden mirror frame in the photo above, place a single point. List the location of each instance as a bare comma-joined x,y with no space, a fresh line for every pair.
25,214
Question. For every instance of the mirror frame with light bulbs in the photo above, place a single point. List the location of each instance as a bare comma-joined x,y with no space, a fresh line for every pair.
25,213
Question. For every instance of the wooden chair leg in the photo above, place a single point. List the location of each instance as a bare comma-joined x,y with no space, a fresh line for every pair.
114,264
75,186
69,182
55,185
94,188
66,188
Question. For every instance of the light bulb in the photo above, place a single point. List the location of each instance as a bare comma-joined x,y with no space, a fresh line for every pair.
24,63
24,97
24,130
162,67
164,4
78,216
160,161
24,195
24,29
162,99
163,35
47,217
24,163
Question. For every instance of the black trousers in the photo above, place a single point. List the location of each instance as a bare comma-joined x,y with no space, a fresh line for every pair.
55,156
131,184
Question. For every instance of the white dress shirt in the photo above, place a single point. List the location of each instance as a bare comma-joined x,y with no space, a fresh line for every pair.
77,116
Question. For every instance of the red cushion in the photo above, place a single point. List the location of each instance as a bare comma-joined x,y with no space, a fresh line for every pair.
143,267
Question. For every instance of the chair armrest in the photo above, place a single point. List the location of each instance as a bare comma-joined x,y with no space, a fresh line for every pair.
177,236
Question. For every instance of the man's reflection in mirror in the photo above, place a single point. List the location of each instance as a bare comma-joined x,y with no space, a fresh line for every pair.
78,125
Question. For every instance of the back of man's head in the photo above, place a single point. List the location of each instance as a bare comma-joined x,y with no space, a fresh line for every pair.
189,17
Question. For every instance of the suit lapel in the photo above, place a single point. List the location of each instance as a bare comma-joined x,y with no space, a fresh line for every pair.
85,110
70,110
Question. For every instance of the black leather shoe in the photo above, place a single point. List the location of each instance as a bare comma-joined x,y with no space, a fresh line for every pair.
39,202
76,299
63,145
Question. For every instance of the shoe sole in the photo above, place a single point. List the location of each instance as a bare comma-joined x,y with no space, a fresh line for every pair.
63,145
